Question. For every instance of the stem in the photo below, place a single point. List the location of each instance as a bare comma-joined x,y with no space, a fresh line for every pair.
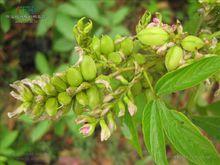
148,81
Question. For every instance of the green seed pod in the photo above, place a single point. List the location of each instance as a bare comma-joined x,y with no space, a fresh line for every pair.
107,45
26,94
95,45
115,57
74,77
88,68
58,83
51,106
153,36
139,58
93,97
49,89
64,98
117,44
36,89
82,98
173,58
127,46
37,110
192,43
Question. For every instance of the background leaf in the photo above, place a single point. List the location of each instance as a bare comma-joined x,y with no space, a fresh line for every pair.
153,133
39,130
209,124
62,45
119,15
133,138
5,23
8,138
186,137
42,64
47,21
188,76
64,24
69,9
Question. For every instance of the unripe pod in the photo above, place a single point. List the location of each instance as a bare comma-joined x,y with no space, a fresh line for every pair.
93,97
107,45
115,57
64,98
51,106
121,108
49,89
153,36
127,46
74,77
37,90
59,84
88,68
192,43
37,110
140,58
96,45
82,98
173,58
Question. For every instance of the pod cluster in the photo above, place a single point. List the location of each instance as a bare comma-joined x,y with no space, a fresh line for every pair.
109,74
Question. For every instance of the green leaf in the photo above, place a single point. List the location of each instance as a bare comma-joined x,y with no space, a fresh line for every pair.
5,23
153,133
64,24
42,64
39,130
209,124
59,128
133,138
69,9
89,8
188,76
119,15
186,137
46,22
62,45
8,139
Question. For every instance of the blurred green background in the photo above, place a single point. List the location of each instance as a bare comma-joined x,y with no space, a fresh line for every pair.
36,38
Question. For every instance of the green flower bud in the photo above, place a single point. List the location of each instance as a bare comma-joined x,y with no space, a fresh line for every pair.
127,46
82,98
22,108
115,57
153,36
93,97
62,76
74,77
49,89
105,132
122,80
192,43
58,83
121,108
88,68
87,129
51,106
173,58
111,122
139,58
107,45
132,109
64,98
